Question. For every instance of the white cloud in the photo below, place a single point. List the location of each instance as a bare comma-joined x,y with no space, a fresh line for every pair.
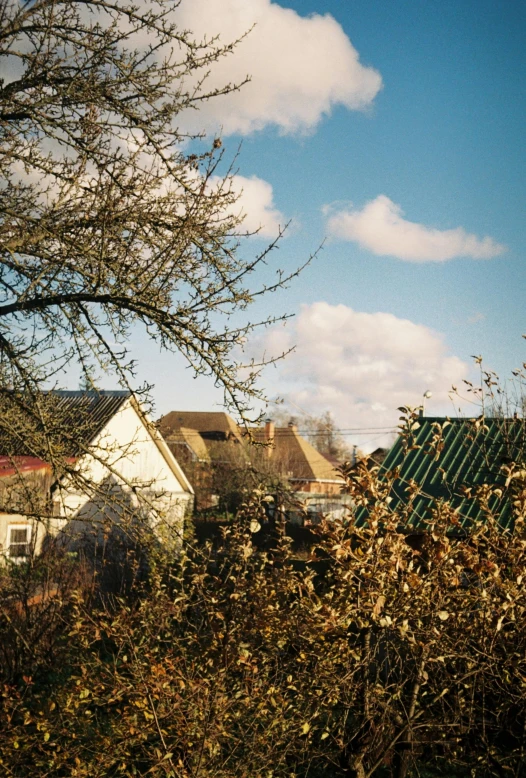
256,203
361,366
380,228
301,67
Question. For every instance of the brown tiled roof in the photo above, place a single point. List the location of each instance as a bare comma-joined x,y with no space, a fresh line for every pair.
192,439
201,421
297,457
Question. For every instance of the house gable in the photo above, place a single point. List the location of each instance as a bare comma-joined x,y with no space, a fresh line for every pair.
130,452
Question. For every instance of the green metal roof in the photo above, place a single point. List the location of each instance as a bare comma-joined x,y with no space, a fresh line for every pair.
471,456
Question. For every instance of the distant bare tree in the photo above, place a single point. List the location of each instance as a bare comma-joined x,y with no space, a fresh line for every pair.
320,430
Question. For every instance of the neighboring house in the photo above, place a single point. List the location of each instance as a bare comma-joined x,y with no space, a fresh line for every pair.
199,438
307,470
119,464
376,457
314,478
448,459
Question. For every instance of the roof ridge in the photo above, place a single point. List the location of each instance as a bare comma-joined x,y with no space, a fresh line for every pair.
92,392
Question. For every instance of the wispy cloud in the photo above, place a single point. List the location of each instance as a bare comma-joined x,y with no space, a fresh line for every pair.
380,227
477,317
300,67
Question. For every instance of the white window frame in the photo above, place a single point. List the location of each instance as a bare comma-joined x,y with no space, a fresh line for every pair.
28,529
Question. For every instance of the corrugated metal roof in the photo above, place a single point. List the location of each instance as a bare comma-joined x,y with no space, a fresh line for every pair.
87,413
69,419
471,456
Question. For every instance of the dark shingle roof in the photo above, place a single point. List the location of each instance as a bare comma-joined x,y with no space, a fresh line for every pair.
70,420
472,455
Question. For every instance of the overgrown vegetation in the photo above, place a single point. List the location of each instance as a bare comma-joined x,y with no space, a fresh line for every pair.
382,654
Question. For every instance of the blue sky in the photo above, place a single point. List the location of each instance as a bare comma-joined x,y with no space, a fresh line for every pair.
406,289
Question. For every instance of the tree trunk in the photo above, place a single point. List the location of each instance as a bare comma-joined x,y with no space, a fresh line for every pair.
404,747
402,759
356,768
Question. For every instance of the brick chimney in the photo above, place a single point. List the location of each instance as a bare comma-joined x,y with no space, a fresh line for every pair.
269,436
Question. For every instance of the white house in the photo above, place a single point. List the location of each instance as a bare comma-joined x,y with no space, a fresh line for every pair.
121,468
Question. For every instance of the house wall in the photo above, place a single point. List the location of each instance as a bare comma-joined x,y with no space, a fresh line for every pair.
38,531
317,487
23,493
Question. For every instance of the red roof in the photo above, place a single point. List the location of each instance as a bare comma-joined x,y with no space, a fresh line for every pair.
12,465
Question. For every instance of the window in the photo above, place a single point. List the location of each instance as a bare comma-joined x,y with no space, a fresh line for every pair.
19,542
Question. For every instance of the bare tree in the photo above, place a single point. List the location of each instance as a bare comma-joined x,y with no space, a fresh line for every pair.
320,430
111,215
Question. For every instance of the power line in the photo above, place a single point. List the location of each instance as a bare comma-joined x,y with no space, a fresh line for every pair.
335,430
287,431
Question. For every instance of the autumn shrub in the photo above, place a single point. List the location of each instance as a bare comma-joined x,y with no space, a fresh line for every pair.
35,608
372,657
385,653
